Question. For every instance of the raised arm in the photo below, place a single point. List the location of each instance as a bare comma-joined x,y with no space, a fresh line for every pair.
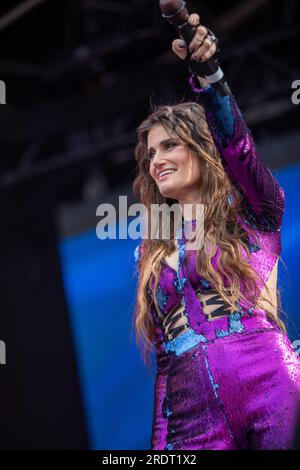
264,198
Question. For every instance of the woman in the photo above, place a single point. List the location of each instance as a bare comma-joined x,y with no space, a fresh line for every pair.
227,375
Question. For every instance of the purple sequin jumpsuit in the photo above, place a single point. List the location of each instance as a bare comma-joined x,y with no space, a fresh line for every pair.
233,382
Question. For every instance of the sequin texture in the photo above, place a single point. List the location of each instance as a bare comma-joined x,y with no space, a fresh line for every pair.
162,298
233,382
184,342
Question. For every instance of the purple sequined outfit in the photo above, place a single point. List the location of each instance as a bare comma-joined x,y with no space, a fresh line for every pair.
232,382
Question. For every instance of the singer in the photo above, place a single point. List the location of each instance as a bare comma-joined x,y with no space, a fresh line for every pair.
227,375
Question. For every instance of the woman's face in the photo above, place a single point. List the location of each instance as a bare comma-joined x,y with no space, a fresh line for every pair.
167,152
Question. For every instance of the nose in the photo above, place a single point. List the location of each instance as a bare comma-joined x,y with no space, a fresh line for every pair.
158,159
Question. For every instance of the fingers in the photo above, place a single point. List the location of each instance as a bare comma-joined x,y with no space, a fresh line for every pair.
201,47
204,51
209,53
198,38
180,48
179,45
194,19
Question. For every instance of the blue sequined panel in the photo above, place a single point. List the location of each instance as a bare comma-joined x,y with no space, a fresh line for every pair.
184,342
223,115
235,325
162,298
179,284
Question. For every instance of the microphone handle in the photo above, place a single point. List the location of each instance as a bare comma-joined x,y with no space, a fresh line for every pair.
210,68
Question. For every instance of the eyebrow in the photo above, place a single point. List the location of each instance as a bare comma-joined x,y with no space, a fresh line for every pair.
163,142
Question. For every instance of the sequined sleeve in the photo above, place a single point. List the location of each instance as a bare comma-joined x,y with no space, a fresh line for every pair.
263,198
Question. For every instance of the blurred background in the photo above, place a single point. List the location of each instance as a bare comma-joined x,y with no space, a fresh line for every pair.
80,75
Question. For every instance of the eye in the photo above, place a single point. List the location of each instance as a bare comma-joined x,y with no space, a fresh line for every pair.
170,144
166,145
150,156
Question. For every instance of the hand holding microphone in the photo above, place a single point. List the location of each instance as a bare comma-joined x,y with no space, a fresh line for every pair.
199,46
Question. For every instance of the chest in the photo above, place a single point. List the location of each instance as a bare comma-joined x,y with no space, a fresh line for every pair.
264,252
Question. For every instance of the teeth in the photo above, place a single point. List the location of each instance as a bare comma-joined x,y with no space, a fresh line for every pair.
165,172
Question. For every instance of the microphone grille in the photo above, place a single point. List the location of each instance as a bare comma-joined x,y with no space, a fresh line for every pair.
169,7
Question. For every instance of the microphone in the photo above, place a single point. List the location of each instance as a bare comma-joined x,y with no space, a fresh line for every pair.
176,13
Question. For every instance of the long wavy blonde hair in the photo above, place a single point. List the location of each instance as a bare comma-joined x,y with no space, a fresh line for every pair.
221,228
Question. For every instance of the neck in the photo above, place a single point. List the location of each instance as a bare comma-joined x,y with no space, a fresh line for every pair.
191,208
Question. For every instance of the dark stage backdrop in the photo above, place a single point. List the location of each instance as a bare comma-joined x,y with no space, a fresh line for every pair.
41,402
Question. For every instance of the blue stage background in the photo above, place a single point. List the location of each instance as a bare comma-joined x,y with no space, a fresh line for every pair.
100,287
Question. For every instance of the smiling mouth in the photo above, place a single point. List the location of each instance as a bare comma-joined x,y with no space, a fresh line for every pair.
167,174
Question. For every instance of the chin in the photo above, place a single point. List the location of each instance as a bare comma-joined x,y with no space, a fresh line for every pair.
168,194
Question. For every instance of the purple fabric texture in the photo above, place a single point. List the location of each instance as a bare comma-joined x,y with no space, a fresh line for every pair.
232,382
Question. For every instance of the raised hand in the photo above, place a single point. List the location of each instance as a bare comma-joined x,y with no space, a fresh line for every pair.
201,47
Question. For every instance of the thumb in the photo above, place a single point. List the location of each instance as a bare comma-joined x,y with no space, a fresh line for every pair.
180,48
